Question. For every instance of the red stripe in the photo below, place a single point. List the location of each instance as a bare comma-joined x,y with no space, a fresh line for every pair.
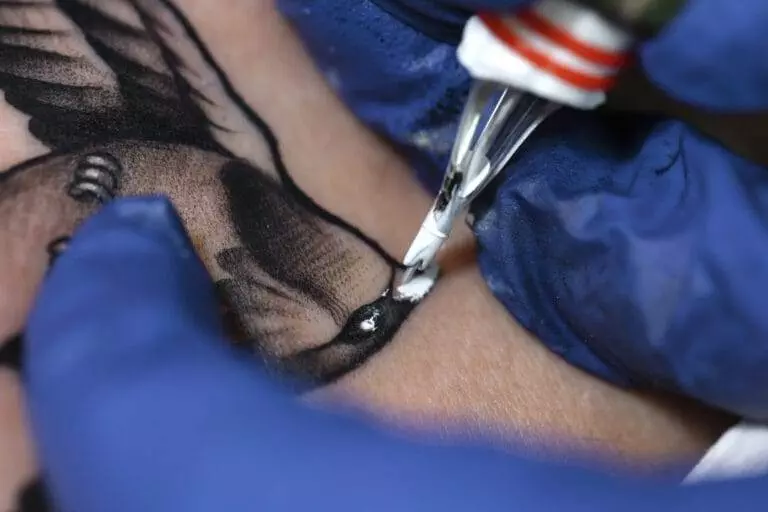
547,29
581,80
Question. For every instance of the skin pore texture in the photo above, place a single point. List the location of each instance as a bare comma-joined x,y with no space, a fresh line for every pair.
295,208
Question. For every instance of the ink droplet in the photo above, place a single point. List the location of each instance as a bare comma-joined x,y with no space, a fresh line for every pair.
368,329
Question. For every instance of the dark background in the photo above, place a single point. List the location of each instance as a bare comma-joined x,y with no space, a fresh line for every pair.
744,134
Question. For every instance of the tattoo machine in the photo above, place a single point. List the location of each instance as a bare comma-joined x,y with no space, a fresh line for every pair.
525,66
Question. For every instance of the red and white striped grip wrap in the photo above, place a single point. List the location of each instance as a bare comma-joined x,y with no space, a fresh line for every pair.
556,49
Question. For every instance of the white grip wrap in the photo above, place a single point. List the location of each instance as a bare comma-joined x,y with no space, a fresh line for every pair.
556,50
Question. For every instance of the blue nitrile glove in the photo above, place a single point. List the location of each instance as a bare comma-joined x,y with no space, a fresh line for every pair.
633,248
138,404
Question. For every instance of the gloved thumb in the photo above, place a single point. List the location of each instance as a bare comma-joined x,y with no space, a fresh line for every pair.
129,384
137,404
712,55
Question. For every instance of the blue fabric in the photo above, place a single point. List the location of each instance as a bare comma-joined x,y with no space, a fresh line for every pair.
634,252
414,102
713,55
137,404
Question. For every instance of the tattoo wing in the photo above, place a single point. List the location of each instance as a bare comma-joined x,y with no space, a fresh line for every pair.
232,123
87,71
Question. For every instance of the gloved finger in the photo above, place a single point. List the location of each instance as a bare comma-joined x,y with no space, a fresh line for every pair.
126,372
138,405
631,249
713,55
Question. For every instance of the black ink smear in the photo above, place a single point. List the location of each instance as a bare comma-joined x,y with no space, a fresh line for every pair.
11,352
272,225
367,331
34,498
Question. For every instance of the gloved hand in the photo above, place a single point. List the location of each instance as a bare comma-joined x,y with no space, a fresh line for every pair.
632,247
137,404
393,62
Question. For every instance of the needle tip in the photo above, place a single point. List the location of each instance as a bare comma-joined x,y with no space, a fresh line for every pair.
415,285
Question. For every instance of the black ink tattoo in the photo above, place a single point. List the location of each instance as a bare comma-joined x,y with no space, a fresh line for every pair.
131,102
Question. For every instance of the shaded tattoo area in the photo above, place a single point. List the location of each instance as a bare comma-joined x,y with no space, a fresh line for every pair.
129,101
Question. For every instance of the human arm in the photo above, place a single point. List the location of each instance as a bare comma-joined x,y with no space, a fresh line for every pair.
460,360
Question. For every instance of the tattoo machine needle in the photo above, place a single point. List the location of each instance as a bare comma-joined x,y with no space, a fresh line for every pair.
525,66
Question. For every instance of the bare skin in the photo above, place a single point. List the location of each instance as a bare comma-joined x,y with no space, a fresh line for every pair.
460,361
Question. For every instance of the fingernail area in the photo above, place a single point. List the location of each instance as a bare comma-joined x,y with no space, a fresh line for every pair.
153,216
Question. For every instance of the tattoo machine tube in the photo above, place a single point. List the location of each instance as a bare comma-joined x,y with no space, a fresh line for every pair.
556,50
564,51
526,65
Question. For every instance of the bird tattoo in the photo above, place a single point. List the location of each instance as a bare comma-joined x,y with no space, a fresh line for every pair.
129,101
